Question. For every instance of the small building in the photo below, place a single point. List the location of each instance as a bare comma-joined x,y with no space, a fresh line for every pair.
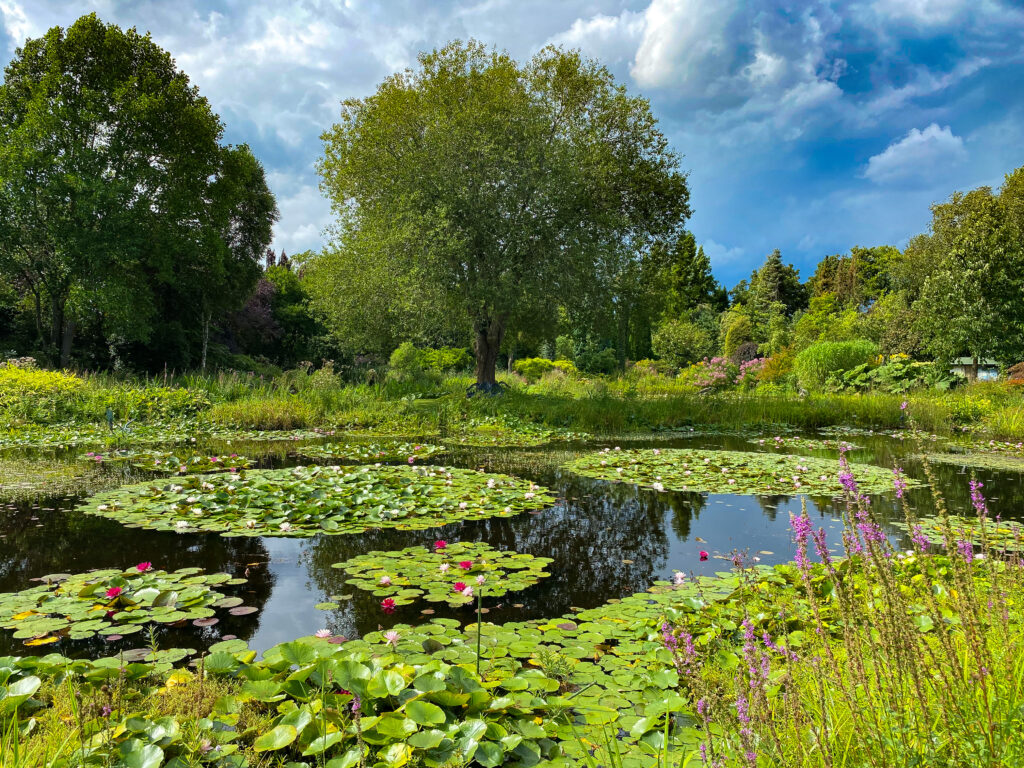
988,369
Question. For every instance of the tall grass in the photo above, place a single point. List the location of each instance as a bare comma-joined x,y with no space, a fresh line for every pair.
885,659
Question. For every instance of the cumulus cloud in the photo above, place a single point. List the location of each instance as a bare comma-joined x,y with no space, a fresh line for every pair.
610,39
917,156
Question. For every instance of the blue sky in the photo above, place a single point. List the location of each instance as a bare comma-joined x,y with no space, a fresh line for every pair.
809,127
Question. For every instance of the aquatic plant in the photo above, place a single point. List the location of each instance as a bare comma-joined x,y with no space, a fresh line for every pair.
166,462
391,450
682,469
304,501
436,576
112,601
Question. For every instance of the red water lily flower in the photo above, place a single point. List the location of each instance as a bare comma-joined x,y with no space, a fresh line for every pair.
703,555
466,565
387,605
144,566
459,586
114,592
440,544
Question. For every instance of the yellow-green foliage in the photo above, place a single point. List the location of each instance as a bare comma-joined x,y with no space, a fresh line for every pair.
532,368
31,394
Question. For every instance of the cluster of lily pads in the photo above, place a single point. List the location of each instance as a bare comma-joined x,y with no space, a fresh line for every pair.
684,469
113,602
304,501
1001,462
1001,535
392,450
169,463
447,573
795,442
79,434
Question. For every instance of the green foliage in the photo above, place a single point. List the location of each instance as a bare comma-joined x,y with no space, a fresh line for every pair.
446,359
565,348
817,362
165,462
532,368
739,331
471,138
681,343
681,469
141,250
305,501
898,374
432,574
31,394
590,359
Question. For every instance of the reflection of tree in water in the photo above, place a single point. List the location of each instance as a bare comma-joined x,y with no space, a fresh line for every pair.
589,536
37,541
686,507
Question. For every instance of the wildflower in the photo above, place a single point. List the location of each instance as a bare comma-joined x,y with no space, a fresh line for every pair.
392,637
106,710
466,565
440,544
356,704
114,592
977,499
385,580
387,605
903,406
919,538
459,586
322,633
966,549
898,482
703,555
143,567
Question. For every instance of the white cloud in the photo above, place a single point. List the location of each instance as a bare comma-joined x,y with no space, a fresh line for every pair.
922,12
917,156
610,39
683,45
305,213
721,255
16,23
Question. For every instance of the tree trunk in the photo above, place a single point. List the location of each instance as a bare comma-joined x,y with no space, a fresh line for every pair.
62,331
487,335
206,338
972,370
67,335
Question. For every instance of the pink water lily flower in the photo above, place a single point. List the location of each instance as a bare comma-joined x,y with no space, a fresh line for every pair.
459,586
466,565
703,555
385,580
144,566
440,544
323,633
114,592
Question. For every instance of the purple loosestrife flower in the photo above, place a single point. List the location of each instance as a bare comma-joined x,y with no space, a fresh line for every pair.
978,500
966,550
898,482
919,538
801,527
821,547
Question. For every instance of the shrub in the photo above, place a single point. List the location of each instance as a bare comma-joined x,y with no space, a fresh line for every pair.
815,364
777,368
680,343
716,373
446,359
405,363
30,394
1015,372
652,367
142,403
532,368
566,367
593,360
744,353
749,371
739,332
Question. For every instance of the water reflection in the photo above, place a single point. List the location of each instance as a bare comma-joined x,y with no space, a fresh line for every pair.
607,540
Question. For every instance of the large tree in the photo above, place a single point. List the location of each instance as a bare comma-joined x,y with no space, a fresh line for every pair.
507,186
114,186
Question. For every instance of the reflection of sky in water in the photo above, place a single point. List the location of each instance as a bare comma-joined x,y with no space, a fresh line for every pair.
607,541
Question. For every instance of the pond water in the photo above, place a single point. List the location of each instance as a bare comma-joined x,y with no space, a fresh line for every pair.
607,540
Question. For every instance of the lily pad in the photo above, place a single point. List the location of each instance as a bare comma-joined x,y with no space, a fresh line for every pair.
305,501
111,602
165,462
366,453
452,573
683,469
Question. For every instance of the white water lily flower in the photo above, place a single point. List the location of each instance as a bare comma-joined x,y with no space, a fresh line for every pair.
285,526
528,495
463,505
181,524
250,523
102,507
658,487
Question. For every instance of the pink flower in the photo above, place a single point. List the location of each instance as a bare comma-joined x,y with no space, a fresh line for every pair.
703,555
480,580
412,459
385,580
459,586
466,565
143,567
468,592
323,633
387,605
392,637
114,592
440,544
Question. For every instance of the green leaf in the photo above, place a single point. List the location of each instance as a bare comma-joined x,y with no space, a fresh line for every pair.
278,737
135,754
425,713
489,754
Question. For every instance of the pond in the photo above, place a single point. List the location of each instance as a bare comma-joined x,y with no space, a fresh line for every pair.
607,540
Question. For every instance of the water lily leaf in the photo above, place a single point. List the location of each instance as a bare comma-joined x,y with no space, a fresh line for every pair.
425,713
276,738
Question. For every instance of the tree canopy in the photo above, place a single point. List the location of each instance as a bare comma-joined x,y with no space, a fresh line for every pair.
510,187
117,199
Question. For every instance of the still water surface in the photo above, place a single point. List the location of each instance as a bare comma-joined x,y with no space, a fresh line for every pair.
608,540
